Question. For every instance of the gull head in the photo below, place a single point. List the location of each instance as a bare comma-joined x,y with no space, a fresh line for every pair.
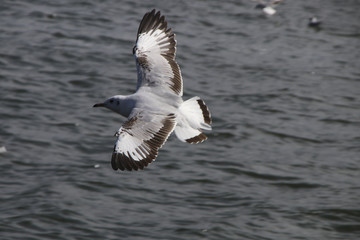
119,104
110,103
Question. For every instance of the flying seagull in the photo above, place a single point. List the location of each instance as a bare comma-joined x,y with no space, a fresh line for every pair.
156,109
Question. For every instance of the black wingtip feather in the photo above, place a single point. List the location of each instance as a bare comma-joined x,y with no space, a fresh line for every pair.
150,20
149,24
124,161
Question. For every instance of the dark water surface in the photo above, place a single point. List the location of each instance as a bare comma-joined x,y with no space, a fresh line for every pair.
282,161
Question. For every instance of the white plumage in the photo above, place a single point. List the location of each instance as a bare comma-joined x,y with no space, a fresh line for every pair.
156,109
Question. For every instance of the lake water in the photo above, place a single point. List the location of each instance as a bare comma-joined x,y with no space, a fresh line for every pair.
282,161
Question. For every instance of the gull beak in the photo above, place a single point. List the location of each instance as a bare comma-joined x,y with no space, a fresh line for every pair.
99,105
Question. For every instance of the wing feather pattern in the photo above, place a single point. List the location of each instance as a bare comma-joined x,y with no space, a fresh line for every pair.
139,140
155,52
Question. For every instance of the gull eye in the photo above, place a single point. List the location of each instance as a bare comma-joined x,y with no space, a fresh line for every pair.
111,101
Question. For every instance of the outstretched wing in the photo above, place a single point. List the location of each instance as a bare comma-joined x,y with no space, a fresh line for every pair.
154,52
139,139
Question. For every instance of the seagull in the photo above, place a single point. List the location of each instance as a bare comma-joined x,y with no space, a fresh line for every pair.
269,7
314,22
156,109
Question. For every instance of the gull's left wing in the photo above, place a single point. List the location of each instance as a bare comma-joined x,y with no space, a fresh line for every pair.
154,52
140,138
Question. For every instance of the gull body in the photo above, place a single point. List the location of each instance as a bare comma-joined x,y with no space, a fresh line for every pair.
156,109
150,101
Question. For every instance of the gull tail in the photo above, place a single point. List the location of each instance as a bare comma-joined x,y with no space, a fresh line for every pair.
193,116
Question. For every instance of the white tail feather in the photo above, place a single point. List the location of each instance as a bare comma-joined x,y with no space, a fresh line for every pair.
193,116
